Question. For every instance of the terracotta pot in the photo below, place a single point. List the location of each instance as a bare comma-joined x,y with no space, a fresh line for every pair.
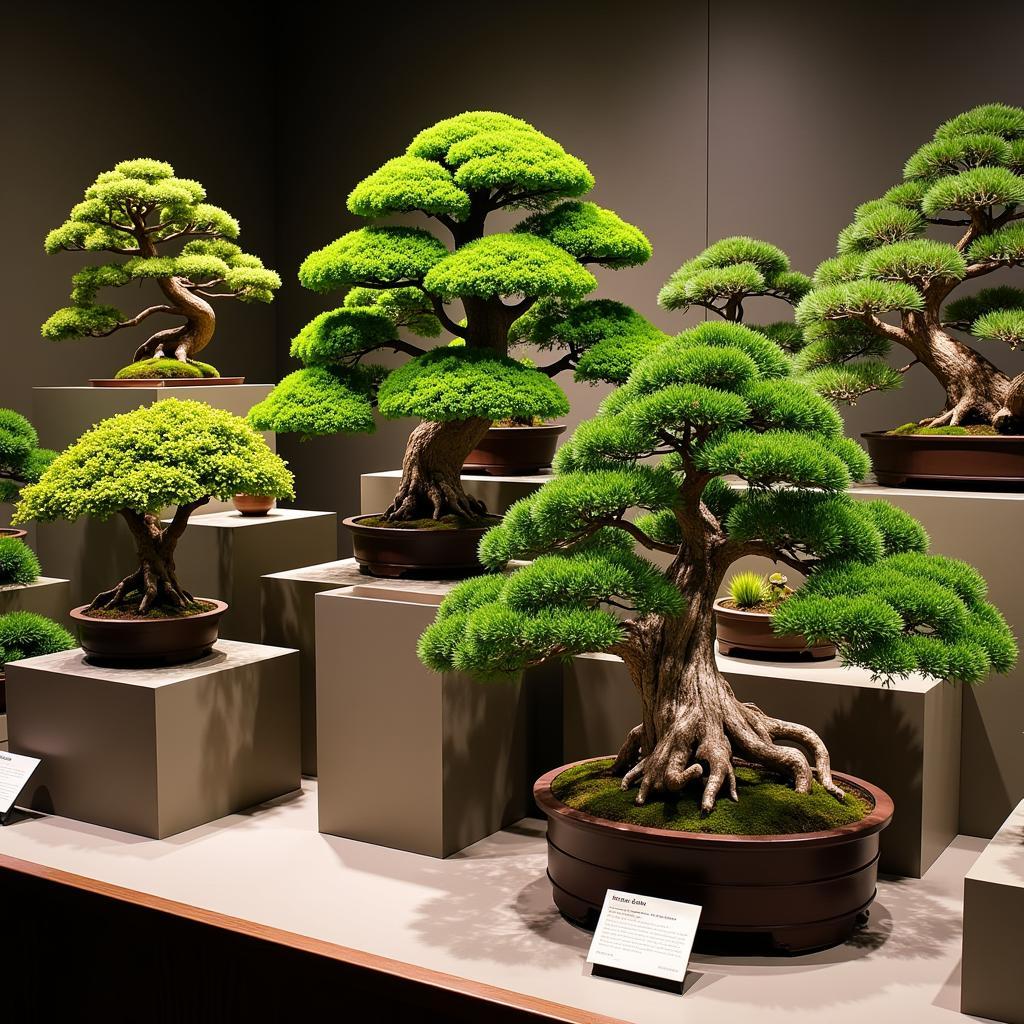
253,504
161,382
168,641
786,893
434,554
941,460
515,451
12,531
750,633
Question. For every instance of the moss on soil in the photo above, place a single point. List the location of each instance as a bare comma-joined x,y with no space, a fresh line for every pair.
976,430
451,522
768,805
157,612
766,607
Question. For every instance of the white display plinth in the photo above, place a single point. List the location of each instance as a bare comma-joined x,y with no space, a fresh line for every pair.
377,490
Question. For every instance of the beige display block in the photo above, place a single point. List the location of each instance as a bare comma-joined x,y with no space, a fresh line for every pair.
904,738
225,554
408,758
376,490
155,751
45,596
288,620
992,983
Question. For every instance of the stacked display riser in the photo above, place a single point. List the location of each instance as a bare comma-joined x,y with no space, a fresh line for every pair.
376,490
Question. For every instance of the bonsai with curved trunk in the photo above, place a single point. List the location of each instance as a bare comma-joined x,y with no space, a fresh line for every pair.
402,281
968,184
140,462
135,211
716,401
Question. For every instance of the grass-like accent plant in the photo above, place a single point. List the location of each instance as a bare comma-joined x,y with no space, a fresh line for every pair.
18,562
714,402
173,452
22,461
892,285
165,231
29,635
401,281
749,589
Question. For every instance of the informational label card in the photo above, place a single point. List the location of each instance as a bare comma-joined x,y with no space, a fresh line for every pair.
15,770
644,935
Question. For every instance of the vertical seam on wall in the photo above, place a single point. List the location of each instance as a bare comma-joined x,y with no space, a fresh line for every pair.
707,131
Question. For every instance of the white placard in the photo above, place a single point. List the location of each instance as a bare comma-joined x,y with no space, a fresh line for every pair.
644,935
15,770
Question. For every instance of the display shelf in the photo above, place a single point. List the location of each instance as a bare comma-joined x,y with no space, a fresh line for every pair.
288,620
992,982
376,490
224,555
481,924
46,596
155,751
462,754
904,738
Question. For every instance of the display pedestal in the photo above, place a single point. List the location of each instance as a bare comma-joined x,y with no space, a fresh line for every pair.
408,758
377,490
904,739
289,620
155,751
992,981
46,596
225,554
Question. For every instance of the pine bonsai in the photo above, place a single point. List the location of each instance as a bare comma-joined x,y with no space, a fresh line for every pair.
22,461
968,179
135,464
401,281
716,401
18,562
136,211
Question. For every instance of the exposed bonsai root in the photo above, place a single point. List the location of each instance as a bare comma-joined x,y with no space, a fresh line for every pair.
156,347
113,597
419,497
141,590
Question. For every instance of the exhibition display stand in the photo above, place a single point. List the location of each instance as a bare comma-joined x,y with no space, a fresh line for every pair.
45,596
377,490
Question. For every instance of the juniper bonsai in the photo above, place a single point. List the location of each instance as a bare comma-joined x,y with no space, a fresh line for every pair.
136,211
22,461
402,281
173,452
716,401
968,181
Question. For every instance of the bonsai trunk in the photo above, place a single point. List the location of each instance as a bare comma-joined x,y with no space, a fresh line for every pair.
693,725
432,472
184,341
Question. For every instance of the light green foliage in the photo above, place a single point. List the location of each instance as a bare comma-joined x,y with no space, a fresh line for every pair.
748,589
989,119
907,193
591,234
170,453
788,336
849,383
770,362
317,400
968,309
409,183
339,334
838,270
956,153
29,635
974,190
21,459
434,142
18,562
1005,245
918,262
836,341
1005,325
81,322
157,368
863,297
882,224
407,308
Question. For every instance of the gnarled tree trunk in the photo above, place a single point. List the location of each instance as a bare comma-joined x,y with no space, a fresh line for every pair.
187,339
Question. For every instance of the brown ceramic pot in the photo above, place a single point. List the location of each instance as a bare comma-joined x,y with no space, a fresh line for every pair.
168,641
940,460
253,504
161,382
515,451
750,633
12,531
785,893
434,554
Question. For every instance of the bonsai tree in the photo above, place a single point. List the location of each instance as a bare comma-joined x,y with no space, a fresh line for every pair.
22,461
968,179
173,452
29,635
165,231
401,281
716,401
18,562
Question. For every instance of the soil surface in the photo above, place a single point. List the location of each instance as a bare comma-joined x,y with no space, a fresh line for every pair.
159,612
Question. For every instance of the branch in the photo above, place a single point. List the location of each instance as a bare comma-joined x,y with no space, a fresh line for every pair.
897,334
137,319
399,345
566,362
639,536
442,314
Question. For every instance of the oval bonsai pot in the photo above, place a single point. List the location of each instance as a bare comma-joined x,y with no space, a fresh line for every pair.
750,633
13,531
169,641
253,504
786,893
161,382
435,554
947,459
515,451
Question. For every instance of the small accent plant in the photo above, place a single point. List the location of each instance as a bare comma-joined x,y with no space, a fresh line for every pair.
29,635
748,589
18,562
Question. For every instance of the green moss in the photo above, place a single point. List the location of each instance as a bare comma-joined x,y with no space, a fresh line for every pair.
767,805
154,369
977,430
451,522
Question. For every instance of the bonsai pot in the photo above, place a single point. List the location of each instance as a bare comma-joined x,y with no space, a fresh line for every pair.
786,893
515,451
169,641
946,459
750,633
161,382
435,554
253,504
12,531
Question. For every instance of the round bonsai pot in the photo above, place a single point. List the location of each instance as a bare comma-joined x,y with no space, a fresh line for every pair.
253,504
947,460
167,641
515,451
750,633
784,893
13,531
434,554
161,382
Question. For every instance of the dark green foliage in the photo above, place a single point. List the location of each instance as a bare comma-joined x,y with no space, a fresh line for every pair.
22,461
28,635
18,562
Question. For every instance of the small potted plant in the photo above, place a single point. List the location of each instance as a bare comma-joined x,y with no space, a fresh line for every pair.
402,281
711,800
19,565
22,461
744,621
164,230
28,635
893,285
171,453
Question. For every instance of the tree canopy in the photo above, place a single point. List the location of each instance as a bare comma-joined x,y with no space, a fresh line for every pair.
22,461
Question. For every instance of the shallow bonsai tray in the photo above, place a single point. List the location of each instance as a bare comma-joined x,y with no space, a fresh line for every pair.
515,451
161,382
788,893
947,459
743,633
